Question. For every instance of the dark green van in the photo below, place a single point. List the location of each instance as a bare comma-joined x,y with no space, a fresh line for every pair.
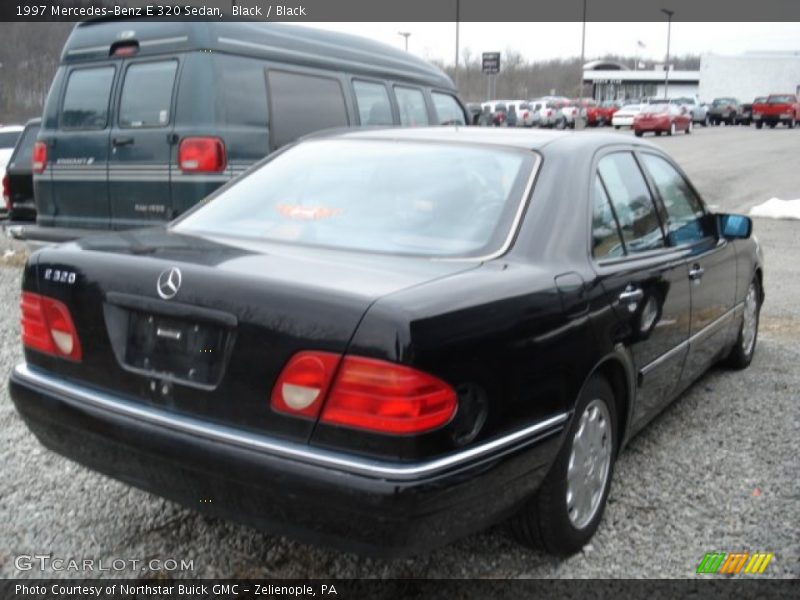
145,118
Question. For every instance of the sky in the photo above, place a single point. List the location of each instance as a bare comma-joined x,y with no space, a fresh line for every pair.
541,41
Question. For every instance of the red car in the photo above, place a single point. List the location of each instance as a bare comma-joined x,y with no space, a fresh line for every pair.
597,116
778,108
662,118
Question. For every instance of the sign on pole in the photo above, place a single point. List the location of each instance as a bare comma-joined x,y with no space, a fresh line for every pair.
491,62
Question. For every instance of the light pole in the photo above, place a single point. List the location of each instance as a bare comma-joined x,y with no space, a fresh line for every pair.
669,14
405,34
455,73
583,52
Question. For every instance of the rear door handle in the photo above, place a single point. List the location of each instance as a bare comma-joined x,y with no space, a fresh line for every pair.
696,273
122,141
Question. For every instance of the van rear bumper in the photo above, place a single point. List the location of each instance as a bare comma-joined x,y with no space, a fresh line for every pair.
362,505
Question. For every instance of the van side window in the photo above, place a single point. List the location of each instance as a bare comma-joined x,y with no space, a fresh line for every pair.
244,89
302,104
86,98
147,94
372,101
412,107
448,110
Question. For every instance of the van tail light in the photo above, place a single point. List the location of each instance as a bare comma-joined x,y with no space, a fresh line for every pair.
39,161
363,393
47,327
7,192
202,155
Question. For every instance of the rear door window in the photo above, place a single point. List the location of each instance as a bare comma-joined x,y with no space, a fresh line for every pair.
86,98
606,238
9,139
448,110
302,104
411,103
632,202
147,94
373,104
24,151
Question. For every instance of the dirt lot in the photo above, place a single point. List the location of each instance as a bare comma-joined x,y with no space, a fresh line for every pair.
716,472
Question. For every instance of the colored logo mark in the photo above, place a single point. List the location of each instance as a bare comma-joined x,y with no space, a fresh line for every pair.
734,563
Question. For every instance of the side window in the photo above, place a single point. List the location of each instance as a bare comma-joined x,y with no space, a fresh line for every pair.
147,94
302,104
372,101
244,90
448,109
684,209
606,238
24,151
86,98
412,107
632,203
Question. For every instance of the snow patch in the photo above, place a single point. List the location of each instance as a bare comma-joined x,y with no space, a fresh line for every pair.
775,208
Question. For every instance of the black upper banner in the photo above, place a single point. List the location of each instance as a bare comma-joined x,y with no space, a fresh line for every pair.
406,10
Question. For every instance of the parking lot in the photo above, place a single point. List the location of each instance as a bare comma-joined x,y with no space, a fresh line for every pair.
717,471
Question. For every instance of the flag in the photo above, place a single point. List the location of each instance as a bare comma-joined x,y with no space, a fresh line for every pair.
640,43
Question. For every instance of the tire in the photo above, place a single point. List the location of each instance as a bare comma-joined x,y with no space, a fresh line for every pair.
552,520
671,128
772,125
616,126
638,133
742,353
689,128
759,125
790,124
658,133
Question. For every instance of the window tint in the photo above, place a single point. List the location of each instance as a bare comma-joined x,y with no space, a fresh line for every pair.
24,152
683,207
412,107
447,109
606,240
301,104
244,90
9,139
632,203
373,104
86,99
147,94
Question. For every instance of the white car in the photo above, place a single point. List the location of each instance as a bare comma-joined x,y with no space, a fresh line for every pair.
624,116
8,139
525,117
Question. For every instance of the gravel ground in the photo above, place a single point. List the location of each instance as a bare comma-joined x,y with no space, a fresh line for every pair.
717,471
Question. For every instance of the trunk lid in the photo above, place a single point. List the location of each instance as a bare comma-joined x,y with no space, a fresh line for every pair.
238,313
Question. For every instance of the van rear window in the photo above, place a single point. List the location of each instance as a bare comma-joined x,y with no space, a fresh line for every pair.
86,98
147,94
448,109
372,101
411,103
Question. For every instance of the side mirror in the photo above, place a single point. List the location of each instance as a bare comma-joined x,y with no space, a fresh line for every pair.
735,227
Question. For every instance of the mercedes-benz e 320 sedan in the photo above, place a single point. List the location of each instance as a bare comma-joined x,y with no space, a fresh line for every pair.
384,340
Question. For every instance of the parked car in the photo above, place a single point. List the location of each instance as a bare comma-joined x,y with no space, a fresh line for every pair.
746,116
474,110
662,118
778,108
524,112
18,178
601,114
624,116
144,118
332,349
499,112
9,134
698,110
536,107
724,110
551,115
576,109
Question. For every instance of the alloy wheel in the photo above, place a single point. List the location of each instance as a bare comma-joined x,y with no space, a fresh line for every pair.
750,322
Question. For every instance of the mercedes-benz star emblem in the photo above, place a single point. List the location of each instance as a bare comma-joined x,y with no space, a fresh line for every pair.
169,282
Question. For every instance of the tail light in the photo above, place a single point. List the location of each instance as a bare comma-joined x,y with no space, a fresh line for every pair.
525,114
7,192
39,161
363,393
201,155
47,327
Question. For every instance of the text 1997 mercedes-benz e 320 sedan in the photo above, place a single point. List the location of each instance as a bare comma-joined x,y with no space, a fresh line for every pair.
388,339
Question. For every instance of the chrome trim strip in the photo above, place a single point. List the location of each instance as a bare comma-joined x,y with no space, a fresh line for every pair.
88,49
79,395
706,331
170,40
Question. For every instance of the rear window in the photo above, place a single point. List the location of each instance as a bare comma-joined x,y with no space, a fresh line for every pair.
781,100
372,100
380,196
411,103
301,104
8,139
655,108
147,94
24,152
85,103
448,110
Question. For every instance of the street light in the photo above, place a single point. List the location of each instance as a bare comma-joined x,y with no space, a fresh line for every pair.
405,34
669,14
458,15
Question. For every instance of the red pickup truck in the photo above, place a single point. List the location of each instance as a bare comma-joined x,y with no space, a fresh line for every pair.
778,108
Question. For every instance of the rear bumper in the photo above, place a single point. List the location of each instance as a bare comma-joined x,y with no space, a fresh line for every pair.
778,118
363,505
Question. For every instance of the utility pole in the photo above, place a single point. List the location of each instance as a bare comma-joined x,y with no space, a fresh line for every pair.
669,14
405,34
458,16
583,52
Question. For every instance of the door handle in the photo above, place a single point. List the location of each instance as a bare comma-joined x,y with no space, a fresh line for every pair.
122,141
631,296
696,273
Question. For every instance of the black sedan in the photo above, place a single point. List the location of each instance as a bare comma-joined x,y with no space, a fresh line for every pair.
385,340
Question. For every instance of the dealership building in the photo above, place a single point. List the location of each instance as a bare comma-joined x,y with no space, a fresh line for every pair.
742,76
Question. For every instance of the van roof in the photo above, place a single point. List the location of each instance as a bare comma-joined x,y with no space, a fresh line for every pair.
92,40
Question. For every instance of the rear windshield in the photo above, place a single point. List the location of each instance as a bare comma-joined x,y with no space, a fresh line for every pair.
24,153
720,101
655,108
8,139
379,196
781,100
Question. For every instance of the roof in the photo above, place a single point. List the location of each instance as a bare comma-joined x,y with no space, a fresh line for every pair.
92,40
491,136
